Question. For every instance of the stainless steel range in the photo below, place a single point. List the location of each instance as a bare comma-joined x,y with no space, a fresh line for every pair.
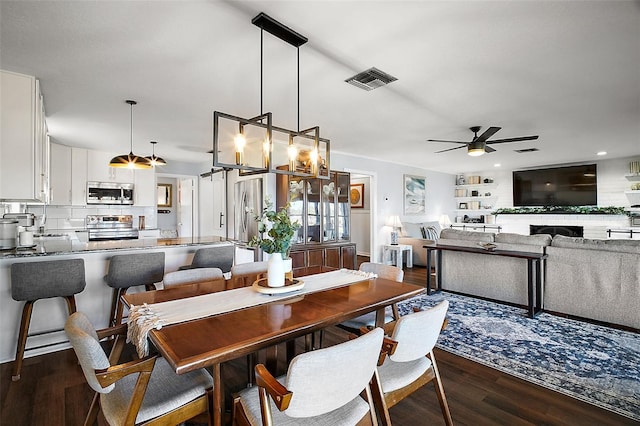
108,227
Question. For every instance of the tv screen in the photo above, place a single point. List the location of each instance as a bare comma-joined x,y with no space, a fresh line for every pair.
560,186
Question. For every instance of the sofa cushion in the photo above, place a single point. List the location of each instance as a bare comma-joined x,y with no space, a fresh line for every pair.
411,230
537,240
456,234
623,246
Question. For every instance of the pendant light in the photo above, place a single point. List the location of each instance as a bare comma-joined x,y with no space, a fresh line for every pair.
130,160
153,159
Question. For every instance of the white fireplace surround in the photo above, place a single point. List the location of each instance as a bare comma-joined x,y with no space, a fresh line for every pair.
595,225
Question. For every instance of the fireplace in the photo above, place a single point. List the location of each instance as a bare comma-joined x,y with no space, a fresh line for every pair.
553,230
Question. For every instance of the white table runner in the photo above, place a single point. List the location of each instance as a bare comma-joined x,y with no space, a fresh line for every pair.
144,318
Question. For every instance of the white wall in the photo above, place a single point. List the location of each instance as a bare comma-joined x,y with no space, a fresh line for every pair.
388,193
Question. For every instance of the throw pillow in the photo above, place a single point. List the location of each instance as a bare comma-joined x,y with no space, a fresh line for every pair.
430,233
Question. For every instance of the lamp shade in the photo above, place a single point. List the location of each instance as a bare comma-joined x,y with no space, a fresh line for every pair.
130,161
394,221
153,159
445,221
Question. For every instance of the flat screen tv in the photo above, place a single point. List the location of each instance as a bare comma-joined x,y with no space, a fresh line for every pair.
560,186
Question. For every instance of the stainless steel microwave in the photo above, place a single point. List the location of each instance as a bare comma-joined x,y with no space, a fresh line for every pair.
109,193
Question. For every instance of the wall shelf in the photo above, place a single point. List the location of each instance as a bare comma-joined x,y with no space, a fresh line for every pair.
633,178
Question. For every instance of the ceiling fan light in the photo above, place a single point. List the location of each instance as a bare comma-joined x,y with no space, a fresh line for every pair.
475,149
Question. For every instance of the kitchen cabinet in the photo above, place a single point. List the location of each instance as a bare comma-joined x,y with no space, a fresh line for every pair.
24,143
68,170
144,189
98,169
60,175
78,176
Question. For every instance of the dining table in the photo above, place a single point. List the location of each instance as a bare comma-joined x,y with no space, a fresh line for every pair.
213,339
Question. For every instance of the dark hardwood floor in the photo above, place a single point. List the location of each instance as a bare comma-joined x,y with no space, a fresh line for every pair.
53,391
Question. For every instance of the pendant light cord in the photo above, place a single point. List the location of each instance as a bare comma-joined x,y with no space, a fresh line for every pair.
261,65
298,52
131,128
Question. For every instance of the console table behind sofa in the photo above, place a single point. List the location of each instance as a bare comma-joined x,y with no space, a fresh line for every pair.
502,278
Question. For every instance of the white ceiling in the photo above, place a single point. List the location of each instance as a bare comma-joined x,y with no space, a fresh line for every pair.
568,71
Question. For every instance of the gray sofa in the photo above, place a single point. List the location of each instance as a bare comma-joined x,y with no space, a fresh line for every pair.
412,235
494,277
595,279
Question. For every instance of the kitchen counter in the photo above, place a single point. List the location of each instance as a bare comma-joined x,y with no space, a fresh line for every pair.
95,300
65,246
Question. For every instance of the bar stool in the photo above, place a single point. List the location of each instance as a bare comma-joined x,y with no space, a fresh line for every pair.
130,270
32,281
212,257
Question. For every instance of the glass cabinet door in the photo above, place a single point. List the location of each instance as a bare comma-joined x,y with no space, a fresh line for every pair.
314,212
343,210
329,209
296,207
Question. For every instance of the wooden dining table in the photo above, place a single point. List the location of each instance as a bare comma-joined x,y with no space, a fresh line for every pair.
210,341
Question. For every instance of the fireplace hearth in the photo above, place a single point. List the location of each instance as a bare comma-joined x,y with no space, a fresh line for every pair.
553,230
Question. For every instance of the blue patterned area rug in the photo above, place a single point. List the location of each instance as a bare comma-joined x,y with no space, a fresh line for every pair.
595,364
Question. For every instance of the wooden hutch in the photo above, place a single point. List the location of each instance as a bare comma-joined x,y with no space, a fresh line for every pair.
322,207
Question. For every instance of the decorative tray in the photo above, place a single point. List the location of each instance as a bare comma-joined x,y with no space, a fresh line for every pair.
488,246
261,286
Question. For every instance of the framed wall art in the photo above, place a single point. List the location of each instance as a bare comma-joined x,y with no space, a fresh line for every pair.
356,195
414,192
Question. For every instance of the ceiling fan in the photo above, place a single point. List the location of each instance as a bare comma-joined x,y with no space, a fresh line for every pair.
479,145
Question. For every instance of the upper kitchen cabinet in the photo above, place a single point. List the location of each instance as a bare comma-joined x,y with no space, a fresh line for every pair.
98,169
24,143
68,169
144,189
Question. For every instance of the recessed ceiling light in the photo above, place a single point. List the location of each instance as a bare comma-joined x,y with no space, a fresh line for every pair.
602,153
497,165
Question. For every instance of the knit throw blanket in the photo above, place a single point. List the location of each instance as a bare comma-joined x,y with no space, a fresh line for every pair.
144,318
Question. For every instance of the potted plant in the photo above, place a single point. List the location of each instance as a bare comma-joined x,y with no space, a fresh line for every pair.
275,234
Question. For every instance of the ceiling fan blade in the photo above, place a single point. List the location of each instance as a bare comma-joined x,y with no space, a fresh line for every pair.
520,139
450,149
487,134
488,149
438,140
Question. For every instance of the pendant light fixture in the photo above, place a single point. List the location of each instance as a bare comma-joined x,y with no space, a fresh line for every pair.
255,145
153,159
130,160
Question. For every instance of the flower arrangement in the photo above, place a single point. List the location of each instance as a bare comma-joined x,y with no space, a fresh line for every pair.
278,228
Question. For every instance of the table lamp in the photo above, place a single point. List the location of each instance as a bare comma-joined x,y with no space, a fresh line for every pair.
394,222
445,222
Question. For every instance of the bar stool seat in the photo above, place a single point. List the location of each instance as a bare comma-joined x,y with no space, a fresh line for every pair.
212,257
32,281
130,270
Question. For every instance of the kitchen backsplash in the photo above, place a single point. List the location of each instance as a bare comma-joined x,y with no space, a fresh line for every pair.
67,217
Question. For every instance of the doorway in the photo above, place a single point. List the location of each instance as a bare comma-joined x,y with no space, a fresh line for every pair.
363,219
179,218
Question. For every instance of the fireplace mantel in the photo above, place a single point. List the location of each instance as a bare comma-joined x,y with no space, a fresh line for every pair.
595,225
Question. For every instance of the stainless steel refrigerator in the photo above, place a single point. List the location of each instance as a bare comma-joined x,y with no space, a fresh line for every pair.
247,205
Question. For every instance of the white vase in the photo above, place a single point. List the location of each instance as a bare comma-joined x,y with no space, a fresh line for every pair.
275,270
288,264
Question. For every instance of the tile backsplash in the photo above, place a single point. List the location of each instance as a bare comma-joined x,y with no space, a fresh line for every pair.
73,217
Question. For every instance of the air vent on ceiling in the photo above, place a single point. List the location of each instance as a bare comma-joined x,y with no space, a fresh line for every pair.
371,79
522,151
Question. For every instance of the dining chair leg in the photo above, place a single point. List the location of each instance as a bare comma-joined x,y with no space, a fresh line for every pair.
378,400
92,415
22,339
114,306
71,304
442,399
252,361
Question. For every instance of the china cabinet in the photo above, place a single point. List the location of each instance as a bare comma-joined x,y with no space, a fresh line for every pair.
322,208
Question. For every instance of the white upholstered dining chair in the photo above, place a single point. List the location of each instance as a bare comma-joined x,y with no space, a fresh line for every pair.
413,364
322,387
142,391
